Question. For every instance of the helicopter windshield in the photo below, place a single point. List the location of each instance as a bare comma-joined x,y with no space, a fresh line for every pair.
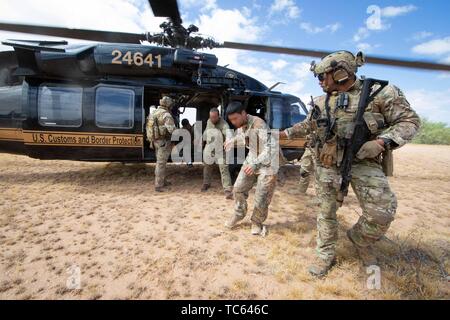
286,111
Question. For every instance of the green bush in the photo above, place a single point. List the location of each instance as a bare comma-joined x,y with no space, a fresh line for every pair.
433,133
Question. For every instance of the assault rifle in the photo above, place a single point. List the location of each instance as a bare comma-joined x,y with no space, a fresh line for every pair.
357,134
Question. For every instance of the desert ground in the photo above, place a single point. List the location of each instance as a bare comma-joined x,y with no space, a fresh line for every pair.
127,242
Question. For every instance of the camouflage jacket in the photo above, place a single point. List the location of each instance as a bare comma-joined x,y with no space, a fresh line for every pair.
211,132
264,151
388,116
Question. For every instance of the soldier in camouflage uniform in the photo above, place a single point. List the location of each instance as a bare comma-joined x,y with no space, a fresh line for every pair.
260,166
215,134
391,122
160,125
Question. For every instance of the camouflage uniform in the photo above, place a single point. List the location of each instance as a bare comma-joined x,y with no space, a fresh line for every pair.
306,168
165,125
265,176
369,182
214,136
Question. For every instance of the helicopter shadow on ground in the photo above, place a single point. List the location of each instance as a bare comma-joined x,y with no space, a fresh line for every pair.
110,173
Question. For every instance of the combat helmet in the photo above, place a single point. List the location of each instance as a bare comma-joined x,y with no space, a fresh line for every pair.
166,101
343,61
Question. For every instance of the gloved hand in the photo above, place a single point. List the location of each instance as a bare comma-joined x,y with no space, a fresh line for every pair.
370,149
329,154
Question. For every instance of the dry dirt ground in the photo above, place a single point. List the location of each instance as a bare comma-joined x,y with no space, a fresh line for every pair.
128,242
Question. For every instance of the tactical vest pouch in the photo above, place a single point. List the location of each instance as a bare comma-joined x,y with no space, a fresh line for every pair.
374,121
152,129
328,154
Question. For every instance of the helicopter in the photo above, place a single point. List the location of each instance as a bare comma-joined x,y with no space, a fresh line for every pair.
89,101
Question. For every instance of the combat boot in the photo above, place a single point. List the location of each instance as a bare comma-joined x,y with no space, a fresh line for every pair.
320,267
205,187
257,228
159,189
233,221
228,195
366,254
302,189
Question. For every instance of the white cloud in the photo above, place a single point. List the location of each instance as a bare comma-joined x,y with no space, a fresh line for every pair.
110,15
366,47
229,25
446,60
421,35
433,47
361,34
438,110
114,15
278,64
308,27
392,11
287,7
204,5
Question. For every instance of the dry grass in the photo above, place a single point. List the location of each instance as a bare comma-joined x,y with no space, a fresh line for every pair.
131,243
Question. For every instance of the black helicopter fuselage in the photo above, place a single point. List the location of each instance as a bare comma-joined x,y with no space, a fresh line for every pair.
89,101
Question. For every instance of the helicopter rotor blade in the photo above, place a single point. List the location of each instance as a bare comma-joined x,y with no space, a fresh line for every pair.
166,8
415,64
83,34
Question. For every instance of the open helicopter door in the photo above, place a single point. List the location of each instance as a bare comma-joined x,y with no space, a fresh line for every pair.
94,122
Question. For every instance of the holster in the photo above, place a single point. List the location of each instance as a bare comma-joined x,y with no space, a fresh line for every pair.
387,162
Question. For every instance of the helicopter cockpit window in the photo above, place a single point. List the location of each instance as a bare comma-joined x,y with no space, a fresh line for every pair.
114,108
298,113
285,112
59,105
278,114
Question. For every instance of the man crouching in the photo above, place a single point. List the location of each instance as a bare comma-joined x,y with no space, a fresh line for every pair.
260,166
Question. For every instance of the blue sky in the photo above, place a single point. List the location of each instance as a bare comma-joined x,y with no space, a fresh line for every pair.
409,29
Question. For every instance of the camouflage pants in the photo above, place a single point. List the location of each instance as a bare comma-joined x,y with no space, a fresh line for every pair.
306,169
265,188
375,197
224,175
162,151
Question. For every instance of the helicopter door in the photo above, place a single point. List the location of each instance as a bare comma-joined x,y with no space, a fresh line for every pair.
76,122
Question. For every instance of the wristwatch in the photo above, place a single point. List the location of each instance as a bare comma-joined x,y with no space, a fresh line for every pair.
387,142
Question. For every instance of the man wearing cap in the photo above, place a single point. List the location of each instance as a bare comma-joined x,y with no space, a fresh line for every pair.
329,122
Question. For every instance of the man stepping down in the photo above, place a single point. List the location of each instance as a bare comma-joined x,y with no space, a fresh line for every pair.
260,167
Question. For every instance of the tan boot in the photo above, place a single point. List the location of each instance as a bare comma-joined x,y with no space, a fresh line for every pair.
233,221
302,187
320,267
167,183
257,228
228,195
366,254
